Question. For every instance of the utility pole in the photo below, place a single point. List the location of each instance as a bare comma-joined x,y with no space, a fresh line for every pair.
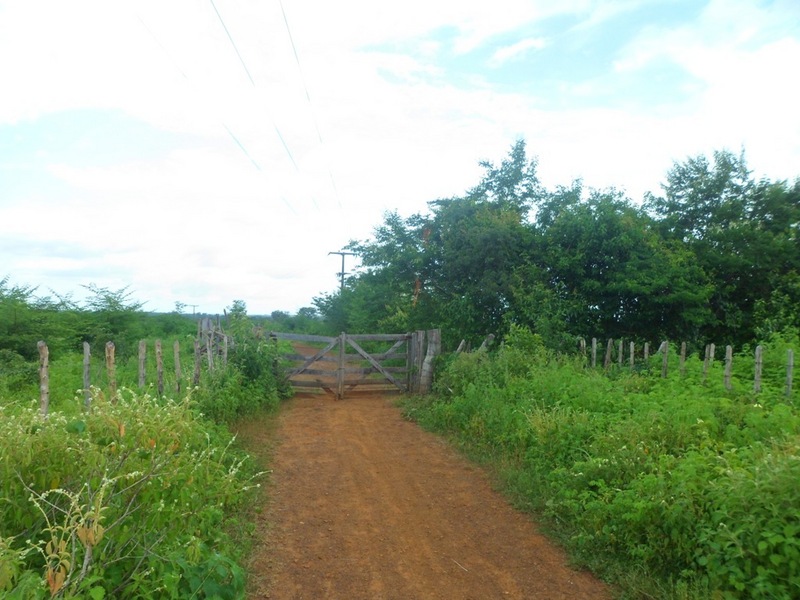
342,274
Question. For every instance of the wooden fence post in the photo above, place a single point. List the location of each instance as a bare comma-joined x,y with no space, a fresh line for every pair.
160,368
646,352
210,351
632,357
111,370
594,352
176,350
582,346
142,363
196,377
44,378
419,358
609,349
789,369
705,364
728,366
759,365
434,347
619,353
664,358
87,392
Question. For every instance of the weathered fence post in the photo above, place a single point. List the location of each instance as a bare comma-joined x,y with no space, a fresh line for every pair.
609,349
434,347
111,370
224,350
160,368
142,363
196,377
632,358
594,352
582,347
759,365
419,358
619,353
705,364
87,384
44,378
176,351
664,358
210,351
789,369
646,352
728,366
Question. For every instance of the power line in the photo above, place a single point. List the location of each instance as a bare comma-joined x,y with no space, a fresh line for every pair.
250,77
230,133
230,37
238,143
308,98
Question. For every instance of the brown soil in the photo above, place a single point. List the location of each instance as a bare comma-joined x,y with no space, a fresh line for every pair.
366,505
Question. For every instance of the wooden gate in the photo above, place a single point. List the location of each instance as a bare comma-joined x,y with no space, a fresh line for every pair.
369,362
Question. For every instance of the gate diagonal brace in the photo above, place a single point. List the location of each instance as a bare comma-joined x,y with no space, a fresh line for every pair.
375,364
313,359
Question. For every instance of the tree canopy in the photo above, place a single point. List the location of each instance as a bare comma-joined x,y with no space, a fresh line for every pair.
714,258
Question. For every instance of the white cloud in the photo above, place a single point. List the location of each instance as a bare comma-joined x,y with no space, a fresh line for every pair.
198,222
514,51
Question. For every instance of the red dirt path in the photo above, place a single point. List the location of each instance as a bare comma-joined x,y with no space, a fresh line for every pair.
365,505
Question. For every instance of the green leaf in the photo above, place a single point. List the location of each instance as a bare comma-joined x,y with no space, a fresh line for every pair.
97,593
76,427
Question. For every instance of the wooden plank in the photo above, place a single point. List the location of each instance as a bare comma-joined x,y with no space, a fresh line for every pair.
373,362
379,337
310,360
339,371
303,357
300,337
324,372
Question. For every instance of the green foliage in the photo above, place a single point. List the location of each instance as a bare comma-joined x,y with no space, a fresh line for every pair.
126,501
671,487
716,259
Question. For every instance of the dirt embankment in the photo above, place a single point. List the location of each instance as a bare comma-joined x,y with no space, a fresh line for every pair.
365,505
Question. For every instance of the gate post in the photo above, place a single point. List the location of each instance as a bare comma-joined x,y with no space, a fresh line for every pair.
340,367
434,347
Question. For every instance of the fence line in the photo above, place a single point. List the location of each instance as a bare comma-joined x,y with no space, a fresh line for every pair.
210,347
709,357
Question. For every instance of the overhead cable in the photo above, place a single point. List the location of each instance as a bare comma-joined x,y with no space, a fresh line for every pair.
308,98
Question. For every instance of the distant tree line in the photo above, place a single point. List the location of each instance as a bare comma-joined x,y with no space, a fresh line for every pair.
716,257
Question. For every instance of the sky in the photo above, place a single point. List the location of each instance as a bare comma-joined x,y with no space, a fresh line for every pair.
201,152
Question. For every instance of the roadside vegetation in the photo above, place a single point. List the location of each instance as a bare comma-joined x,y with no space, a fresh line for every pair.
140,496
669,488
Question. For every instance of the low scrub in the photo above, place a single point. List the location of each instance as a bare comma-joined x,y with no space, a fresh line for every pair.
125,501
671,488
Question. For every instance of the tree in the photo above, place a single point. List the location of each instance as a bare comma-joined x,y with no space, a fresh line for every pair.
743,235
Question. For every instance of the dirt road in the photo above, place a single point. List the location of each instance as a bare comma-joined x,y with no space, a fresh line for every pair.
365,505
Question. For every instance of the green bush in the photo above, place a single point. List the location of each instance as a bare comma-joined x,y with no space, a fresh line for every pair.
671,487
126,501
